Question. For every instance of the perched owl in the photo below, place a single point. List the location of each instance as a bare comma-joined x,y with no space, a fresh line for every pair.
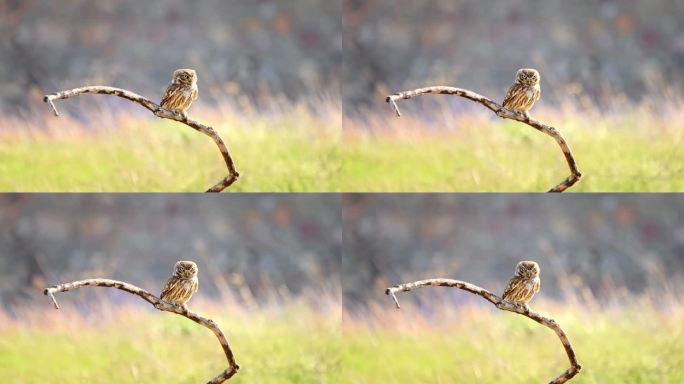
522,95
524,284
182,284
182,91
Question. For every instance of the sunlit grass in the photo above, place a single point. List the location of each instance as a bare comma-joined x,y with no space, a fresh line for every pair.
483,345
293,151
640,151
286,345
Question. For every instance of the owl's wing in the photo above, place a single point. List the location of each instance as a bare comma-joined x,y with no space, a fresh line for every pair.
509,94
512,286
168,94
171,283
537,285
195,286
195,93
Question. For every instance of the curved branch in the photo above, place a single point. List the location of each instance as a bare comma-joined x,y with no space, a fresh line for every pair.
233,366
161,113
575,366
502,112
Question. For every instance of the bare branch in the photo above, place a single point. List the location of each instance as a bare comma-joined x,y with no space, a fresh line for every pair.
233,366
161,113
502,112
575,367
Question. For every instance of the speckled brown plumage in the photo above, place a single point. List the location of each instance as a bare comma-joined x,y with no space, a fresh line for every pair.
522,95
182,92
524,284
182,284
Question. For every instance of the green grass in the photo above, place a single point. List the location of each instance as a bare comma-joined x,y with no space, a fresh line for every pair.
300,151
491,347
628,154
273,347
297,152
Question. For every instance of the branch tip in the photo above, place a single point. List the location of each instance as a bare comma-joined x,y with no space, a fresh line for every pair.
391,100
390,292
50,294
48,100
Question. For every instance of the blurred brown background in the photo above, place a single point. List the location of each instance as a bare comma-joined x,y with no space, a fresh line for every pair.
267,244
254,48
602,48
605,245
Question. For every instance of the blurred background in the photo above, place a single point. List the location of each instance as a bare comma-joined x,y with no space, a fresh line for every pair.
612,273
611,83
269,272
268,78
258,49
601,245
600,47
255,244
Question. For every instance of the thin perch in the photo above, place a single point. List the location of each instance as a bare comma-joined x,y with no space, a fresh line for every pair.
502,112
233,366
161,113
575,367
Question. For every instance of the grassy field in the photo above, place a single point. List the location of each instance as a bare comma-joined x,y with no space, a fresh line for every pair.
482,345
293,345
294,151
300,150
640,151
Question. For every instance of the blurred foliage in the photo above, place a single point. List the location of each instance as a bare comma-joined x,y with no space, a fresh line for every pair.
255,48
603,247
601,47
640,343
293,344
289,151
253,246
638,151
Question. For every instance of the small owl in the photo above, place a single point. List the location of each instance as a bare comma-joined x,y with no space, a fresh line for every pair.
181,285
182,91
524,284
522,95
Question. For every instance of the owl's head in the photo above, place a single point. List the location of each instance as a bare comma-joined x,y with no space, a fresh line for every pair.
527,269
184,76
527,76
185,269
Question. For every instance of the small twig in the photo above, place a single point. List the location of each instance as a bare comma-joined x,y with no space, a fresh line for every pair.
233,366
502,112
161,113
575,366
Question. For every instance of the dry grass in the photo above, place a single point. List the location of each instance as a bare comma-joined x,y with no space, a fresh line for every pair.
101,144
450,144
445,335
105,336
